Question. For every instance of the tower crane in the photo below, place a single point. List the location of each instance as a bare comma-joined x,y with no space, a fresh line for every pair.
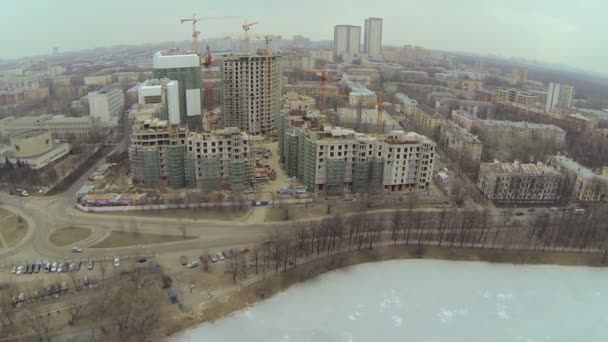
195,32
246,27
380,106
268,39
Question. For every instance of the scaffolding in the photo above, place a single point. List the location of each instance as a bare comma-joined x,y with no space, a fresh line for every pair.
335,177
210,174
239,175
145,164
175,165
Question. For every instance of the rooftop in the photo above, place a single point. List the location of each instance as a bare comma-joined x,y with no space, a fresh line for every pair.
572,166
29,134
507,169
312,84
518,124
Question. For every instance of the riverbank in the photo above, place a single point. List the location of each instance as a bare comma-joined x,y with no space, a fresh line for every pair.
257,289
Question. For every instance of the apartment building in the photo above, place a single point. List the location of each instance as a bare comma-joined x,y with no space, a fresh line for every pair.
559,95
372,41
465,119
101,80
334,160
506,132
520,183
106,105
61,127
516,96
161,153
587,185
347,41
579,123
426,120
461,144
252,92
481,109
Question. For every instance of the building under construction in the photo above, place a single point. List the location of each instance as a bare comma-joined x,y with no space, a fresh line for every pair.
334,160
251,92
163,154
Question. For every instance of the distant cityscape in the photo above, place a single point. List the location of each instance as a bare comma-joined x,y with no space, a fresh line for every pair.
257,143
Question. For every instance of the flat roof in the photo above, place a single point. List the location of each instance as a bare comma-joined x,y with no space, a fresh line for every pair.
572,166
30,133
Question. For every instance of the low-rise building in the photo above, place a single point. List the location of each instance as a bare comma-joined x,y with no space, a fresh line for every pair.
61,126
313,89
587,185
426,120
506,132
520,183
478,108
293,100
408,105
35,148
101,80
465,119
463,145
579,123
517,96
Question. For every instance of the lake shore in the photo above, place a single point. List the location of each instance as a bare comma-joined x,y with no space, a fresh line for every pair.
257,289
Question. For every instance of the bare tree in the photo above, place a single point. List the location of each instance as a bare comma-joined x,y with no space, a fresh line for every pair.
78,312
233,268
40,326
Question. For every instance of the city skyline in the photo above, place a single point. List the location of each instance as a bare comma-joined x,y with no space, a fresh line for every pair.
561,34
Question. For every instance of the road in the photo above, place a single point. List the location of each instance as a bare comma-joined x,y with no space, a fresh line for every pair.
44,214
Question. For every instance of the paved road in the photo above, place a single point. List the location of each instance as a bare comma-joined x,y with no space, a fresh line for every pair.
44,214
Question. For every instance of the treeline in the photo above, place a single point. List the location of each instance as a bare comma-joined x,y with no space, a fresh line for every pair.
563,231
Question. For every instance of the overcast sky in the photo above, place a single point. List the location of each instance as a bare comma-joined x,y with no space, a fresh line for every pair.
568,32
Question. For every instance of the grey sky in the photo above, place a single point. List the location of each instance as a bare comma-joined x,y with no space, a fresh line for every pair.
568,32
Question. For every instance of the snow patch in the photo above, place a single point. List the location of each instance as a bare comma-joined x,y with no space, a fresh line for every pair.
397,321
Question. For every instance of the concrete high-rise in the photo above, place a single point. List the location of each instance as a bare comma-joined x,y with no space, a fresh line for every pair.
372,42
347,40
251,92
560,95
185,68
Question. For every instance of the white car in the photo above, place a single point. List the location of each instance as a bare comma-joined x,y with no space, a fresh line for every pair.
116,262
19,269
14,270
76,249
54,267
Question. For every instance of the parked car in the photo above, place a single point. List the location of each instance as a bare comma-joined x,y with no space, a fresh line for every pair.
54,267
227,254
19,269
220,256
36,268
579,211
77,266
213,258
59,268
71,267
65,267
141,259
183,260
28,269
91,265
76,249
116,262
519,213
531,210
193,264
14,270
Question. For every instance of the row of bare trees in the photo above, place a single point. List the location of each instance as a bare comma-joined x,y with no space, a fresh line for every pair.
562,231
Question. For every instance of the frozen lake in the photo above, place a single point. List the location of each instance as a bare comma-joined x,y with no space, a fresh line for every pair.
424,300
